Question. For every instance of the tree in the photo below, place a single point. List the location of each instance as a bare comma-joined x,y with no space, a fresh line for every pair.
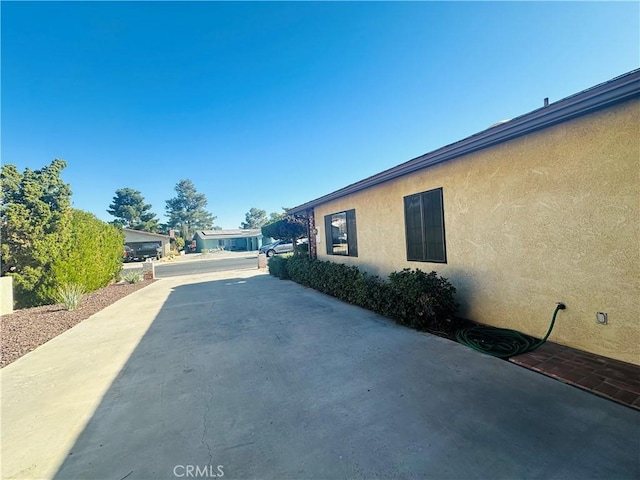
254,218
35,213
289,228
187,212
274,217
131,212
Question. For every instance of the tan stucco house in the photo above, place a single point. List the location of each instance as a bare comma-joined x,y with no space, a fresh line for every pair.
539,209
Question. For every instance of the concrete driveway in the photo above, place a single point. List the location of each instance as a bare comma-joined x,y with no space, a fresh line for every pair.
246,376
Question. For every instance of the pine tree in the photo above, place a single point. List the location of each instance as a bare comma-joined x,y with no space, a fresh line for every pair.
186,211
131,212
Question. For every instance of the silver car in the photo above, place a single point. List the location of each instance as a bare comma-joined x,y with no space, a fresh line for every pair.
279,246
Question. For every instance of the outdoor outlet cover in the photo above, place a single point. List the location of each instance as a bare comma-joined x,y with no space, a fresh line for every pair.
601,318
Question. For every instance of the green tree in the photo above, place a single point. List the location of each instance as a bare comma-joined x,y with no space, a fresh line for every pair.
289,228
131,212
254,218
186,211
274,217
35,213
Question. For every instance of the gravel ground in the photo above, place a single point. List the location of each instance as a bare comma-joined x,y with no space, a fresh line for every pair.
26,329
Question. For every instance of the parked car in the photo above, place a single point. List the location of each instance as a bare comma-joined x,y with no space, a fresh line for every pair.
279,246
141,251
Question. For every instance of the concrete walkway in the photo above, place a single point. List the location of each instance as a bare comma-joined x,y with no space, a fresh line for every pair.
253,377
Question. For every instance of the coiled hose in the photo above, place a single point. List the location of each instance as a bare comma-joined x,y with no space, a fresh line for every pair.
503,342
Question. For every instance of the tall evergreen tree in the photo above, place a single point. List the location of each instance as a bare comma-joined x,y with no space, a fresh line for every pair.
255,218
131,212
186,211
34,214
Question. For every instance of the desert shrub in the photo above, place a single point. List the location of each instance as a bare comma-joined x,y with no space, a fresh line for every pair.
70,295
410,297
133,276
278,266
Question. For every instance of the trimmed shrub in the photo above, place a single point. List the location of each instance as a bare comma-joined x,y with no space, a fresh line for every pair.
91,253
420,300
278,266
410,297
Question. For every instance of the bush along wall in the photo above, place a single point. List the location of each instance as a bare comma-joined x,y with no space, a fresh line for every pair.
424,301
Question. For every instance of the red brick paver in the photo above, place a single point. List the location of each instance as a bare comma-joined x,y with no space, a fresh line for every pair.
612,379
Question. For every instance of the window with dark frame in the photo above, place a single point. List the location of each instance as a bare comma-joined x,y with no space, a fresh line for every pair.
424,227
340,233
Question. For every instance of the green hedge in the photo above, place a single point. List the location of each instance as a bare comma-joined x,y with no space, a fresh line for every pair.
410,297
278,266
91,256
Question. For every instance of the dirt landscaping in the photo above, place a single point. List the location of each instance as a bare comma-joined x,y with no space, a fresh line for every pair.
26,329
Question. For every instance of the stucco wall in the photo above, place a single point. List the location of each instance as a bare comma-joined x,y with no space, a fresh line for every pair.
6,295
553,216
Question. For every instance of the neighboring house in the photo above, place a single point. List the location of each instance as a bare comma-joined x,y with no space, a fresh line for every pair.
539,209
138,236
233,240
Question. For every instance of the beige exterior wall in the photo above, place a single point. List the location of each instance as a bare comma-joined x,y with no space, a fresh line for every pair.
6,295
552,216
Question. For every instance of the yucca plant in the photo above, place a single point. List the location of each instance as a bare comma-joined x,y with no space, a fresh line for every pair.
133,276
70,295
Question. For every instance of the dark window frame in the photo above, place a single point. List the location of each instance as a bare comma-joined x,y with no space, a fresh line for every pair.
352,237
424,218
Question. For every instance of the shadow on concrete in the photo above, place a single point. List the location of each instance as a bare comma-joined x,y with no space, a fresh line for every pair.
261,378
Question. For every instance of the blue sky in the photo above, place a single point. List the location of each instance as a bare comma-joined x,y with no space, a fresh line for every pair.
272,104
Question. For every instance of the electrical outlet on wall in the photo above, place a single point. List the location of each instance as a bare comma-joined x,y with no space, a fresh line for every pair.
601,318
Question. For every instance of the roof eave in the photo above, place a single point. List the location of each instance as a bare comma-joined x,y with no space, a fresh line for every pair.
619,89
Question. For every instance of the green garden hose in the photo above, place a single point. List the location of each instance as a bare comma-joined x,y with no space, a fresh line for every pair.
503,342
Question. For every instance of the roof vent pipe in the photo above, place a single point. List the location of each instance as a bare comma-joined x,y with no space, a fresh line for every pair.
546,102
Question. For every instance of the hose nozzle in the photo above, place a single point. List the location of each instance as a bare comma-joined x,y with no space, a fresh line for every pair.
561,306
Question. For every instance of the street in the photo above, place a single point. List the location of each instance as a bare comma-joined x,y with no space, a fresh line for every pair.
236,261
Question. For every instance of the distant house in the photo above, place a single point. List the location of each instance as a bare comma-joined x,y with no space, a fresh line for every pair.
231,240
138,236
541,208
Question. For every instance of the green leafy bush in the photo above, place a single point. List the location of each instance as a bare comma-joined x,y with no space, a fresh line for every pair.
278,266
46,243
70,295
133,276
410,297
177,243
90,254
420,300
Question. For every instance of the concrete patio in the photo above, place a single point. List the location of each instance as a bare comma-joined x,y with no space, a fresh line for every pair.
267,379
